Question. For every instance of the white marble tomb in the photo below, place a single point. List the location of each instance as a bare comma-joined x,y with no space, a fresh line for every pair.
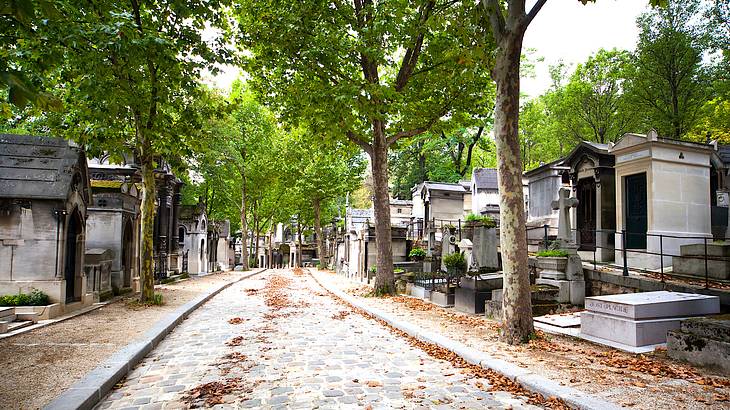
637,320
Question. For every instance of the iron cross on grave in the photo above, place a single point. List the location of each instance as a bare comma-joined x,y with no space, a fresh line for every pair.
563,205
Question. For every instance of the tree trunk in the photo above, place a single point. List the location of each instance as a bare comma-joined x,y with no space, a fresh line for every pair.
244,225
271,250
318,230
256,236
384,279
516,304
147,274
298,257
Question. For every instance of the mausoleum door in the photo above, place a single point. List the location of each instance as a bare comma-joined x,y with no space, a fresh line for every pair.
127,246
73,230
586,218
636,211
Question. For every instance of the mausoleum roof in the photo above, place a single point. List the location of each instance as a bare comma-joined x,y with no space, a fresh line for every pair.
34,167
444,186
485,178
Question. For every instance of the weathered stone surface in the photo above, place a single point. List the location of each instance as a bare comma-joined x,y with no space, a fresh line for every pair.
702,342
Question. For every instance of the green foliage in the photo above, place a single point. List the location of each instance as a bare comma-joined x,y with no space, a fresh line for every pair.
485,220
552,253
34,298
455,261
417,253
668,83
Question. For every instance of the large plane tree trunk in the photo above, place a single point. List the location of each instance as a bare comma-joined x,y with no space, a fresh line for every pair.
516,304
384,279
508,30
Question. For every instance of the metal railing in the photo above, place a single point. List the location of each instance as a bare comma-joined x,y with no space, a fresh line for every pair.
620,246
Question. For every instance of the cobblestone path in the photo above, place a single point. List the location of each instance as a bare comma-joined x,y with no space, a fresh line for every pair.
293,347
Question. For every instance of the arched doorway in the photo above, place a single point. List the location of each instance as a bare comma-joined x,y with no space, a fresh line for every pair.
127,254
74,229
202,256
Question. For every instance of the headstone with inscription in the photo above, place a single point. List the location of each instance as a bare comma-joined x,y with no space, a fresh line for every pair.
638,320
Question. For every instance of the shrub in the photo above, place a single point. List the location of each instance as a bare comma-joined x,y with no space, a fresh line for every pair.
35,298
417,253
552,253
157,300
455,260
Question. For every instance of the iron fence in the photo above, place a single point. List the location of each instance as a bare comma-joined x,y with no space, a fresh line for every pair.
662,250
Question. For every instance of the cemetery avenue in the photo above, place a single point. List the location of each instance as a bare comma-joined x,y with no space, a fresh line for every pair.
365,204
297,348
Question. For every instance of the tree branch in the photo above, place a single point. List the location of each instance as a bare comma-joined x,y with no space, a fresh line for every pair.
533,12
496,18
405,134
359,142
411,57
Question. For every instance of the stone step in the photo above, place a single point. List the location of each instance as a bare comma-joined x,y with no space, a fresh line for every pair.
8,319
6,311
19,325
707,328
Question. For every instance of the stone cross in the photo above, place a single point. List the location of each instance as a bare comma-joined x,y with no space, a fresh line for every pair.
563,205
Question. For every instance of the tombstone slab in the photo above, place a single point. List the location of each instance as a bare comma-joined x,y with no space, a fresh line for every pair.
626,331
641,319
648,305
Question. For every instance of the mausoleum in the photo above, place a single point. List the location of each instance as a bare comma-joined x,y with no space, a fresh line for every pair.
44,196
662,196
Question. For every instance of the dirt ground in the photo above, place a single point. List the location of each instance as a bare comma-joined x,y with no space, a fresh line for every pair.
38,365
651,381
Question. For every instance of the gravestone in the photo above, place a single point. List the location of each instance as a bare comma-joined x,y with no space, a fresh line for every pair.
467,248
567,272
639,320
563,206
448,246
430,246
485,247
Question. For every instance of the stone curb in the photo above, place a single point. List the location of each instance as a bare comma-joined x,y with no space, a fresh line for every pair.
529,380
87,392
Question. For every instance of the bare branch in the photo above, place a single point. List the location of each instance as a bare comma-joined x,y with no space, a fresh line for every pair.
533,12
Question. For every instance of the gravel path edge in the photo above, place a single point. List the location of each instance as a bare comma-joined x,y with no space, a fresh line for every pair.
529,380
87,392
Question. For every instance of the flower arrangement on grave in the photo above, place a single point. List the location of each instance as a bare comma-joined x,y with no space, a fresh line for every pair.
417,254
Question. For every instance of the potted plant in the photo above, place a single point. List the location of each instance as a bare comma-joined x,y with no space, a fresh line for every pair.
417,254
449,228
